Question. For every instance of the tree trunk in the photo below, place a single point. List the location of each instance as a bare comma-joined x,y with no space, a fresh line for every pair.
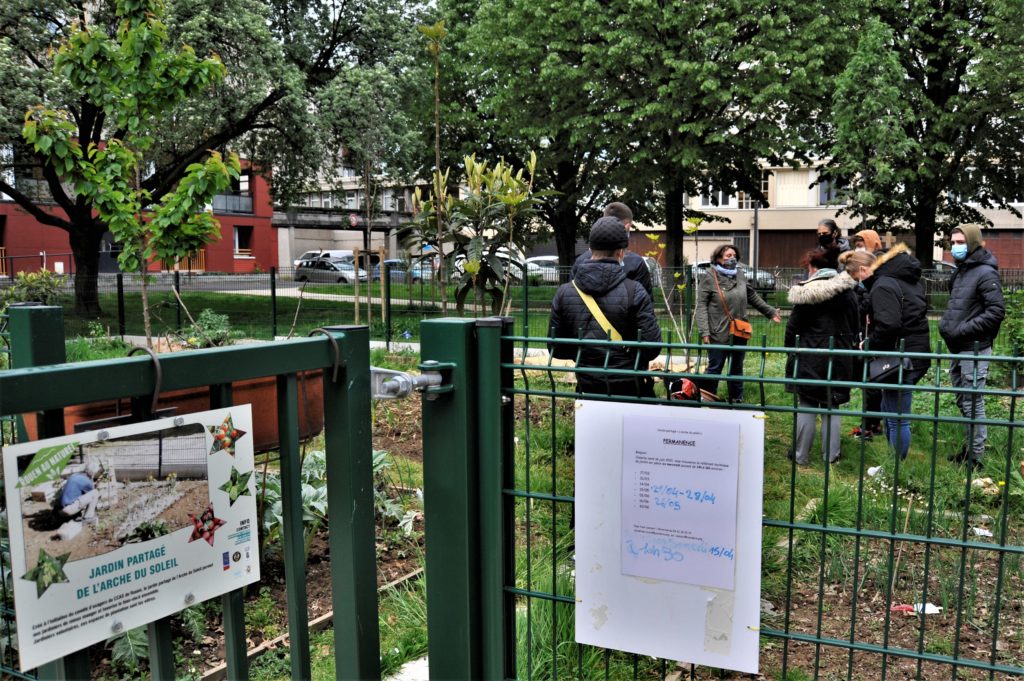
924,227
566,226
673,236
85,242
147,325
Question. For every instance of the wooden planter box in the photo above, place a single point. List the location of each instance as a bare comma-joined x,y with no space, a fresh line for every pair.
261,393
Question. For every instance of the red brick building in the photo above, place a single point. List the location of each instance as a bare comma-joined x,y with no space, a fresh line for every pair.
247,242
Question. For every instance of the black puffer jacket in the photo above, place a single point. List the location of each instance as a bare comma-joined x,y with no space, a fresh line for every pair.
976,306
635,266
627,307
824,309
897,306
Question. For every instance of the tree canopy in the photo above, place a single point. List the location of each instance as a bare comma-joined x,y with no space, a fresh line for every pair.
928,117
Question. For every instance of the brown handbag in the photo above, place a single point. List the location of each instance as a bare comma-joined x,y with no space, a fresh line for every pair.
737,327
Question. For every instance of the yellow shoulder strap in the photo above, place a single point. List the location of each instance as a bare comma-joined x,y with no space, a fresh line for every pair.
595,310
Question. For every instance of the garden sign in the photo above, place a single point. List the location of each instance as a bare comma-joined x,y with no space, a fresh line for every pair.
114,529
668,531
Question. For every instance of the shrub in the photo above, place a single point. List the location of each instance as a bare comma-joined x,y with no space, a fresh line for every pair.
42,287
1013,325
209,330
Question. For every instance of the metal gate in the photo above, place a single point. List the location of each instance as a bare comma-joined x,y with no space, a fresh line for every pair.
851,552
342,354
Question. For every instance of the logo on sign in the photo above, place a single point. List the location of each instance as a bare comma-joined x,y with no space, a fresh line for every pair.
227,561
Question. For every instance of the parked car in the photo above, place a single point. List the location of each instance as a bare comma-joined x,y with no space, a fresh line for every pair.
543,268
515,268
328,271
325,254
402,271
938,276
763,279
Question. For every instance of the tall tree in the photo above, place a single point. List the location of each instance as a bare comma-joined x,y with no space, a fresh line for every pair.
705,91
928,116
280,55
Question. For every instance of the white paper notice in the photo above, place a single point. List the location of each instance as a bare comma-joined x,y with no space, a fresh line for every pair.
679,481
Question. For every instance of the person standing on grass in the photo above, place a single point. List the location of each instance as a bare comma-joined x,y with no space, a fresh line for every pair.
634,265
723,295
602,303
897,312
866,240
969,326
824,316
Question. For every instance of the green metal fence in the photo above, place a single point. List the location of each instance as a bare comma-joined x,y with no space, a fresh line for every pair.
848,549
343,357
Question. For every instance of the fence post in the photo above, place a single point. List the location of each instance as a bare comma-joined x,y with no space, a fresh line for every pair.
451,502
385,273
273,303
121,328
37,339
349,450
496,431
177,299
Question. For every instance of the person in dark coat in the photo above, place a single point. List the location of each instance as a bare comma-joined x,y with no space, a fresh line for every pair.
831,239
969,325
635,266
897,313
724,280
825,315
622,301
866,240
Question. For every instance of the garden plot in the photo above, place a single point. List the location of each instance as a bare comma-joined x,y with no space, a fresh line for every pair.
143,509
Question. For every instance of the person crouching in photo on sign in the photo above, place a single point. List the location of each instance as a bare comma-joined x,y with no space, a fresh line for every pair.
824,316
77,499
601,303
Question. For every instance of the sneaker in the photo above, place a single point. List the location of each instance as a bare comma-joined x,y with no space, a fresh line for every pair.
861,434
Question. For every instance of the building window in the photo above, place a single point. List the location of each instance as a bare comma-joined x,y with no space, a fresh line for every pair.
243,241
716,198
828,193
243,184
351,202
388,200
348,171
327,199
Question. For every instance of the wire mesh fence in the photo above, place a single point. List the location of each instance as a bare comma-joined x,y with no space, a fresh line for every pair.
854,553
281,303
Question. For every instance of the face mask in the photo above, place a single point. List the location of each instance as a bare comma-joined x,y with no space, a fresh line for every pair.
959,251
861,249
825,240
729,263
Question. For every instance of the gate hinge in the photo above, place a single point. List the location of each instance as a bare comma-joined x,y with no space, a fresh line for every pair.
387,384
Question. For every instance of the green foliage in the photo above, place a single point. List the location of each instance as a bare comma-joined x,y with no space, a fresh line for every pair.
129,652
927,116
150,529
493,220
1013,324
210,330
42,287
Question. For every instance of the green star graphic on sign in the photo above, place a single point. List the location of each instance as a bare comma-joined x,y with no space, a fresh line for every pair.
48,571
237,486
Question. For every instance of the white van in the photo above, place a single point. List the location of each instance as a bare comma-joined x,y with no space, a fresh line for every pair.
326,254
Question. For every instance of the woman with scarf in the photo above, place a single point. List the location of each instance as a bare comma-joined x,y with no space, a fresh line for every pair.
723,296
825,316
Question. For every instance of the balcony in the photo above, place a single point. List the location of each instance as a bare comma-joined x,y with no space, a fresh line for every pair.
232,203
193,263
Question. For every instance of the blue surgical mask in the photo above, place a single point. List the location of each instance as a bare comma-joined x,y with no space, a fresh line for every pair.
959,251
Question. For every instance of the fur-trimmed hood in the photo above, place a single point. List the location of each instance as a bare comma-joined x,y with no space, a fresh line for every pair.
897,263
821,290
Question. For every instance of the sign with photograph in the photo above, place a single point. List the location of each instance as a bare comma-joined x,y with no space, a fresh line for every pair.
116,528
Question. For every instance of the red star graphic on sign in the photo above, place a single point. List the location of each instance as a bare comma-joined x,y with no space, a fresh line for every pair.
225,436
205,525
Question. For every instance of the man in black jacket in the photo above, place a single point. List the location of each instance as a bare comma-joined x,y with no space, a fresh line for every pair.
969,325
635,266
625,306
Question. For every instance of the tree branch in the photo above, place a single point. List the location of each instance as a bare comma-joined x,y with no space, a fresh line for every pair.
30,207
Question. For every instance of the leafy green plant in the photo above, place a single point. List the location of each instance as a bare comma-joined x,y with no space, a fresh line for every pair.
129,652
150,529
1013,324
209,330
41,287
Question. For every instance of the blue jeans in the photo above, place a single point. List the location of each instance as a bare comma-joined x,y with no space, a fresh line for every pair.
716,362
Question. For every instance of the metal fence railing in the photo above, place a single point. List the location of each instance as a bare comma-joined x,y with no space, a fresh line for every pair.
849,550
